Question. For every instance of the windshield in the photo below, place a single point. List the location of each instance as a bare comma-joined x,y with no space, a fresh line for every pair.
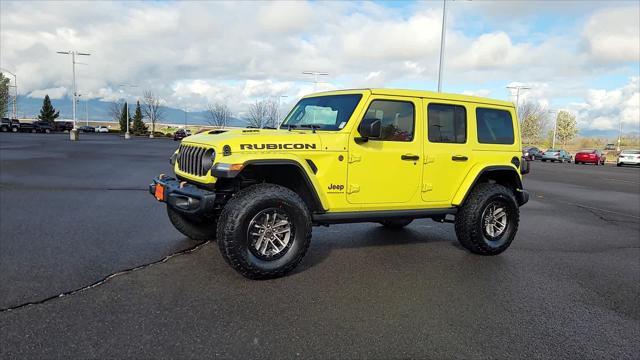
323,112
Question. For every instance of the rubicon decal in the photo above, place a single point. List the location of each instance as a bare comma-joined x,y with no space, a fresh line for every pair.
277,146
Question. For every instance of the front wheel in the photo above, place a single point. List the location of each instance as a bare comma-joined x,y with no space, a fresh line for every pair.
198,231
264,231
488,221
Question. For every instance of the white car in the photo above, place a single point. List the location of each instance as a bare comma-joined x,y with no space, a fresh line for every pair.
102,129
629,157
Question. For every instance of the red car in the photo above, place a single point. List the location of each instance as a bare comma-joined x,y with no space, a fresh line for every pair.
590,156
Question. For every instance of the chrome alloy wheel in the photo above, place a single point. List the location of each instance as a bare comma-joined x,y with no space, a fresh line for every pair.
494,220
270,234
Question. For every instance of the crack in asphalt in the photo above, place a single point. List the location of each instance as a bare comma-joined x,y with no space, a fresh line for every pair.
106,278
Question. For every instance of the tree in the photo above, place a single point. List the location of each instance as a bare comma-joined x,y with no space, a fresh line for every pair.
4,94
152,109
257,114
139,128
271,113
219,114
123,118
115,111
566,127
48,112
533,118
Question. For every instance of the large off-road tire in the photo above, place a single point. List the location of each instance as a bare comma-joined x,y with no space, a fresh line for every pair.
396,223
264,231
199,231
488,221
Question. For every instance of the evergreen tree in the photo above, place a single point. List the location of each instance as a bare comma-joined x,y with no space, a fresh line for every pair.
139,128
48,112
123,119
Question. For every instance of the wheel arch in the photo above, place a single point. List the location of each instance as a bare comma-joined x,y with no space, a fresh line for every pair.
290,174
501,174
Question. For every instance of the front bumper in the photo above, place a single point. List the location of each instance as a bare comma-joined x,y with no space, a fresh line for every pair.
183,197
630,161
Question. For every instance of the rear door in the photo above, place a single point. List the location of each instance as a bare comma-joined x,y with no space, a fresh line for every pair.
447,152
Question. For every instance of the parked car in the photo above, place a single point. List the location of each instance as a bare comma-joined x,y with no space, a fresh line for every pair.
86,129
42,126
628,157
181,134
610,147
102,129
554,155
7,125
63,126
531,153
590,156
27,127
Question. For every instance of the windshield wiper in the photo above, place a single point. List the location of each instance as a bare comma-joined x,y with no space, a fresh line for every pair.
291,126
312,126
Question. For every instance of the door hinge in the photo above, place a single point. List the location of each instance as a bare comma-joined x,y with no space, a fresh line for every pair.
353,188
354,158
429,159
427,187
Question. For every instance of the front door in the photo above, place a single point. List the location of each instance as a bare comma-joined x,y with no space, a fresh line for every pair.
387,169
447,151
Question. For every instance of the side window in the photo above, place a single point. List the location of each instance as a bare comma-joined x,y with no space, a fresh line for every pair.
494,126
447,123
396,117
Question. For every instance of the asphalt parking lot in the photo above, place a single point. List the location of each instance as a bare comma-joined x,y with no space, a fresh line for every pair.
72,214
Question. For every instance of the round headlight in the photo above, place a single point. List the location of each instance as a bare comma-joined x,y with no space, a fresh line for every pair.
208,159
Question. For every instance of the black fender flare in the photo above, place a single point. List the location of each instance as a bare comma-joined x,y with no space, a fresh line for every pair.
521,195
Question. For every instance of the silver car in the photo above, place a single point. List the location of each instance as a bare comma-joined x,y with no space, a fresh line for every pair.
554,155
629,157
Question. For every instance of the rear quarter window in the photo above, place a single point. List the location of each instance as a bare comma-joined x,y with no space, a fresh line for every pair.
494,126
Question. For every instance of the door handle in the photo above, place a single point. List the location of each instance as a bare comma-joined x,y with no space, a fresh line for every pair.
411,157
459,158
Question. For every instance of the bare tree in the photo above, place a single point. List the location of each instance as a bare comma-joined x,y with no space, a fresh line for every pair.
272,113
257,115
115,111
219,114
152,109
533,119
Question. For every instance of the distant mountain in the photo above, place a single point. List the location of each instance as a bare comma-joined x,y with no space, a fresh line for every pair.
99,111
607,134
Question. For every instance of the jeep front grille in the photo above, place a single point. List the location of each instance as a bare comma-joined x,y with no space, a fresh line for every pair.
190,160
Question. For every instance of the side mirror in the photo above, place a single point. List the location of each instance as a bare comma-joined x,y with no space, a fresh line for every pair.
369,129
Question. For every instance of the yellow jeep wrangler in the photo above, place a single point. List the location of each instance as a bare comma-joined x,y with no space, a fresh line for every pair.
370,155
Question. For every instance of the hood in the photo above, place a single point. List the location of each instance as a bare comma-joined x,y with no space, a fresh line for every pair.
247,140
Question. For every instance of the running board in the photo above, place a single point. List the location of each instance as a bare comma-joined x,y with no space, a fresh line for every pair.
373,216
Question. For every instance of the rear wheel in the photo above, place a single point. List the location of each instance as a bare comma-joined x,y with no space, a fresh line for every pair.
4,129
396,223
14,129
264,231
488,221
619,164
199,231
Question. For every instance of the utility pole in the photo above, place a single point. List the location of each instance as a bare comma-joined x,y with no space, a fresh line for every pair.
15,93
619,135
518,88
74,53
442,43
127,135
315,77
86,109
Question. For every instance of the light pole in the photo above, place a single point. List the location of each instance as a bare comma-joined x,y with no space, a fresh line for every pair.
315,77
73,53
127,135
619,135
518,88
15,92
442,42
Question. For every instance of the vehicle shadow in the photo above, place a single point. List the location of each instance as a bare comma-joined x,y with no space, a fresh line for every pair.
344,237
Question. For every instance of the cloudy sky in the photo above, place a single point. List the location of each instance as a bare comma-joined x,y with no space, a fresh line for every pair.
579,55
